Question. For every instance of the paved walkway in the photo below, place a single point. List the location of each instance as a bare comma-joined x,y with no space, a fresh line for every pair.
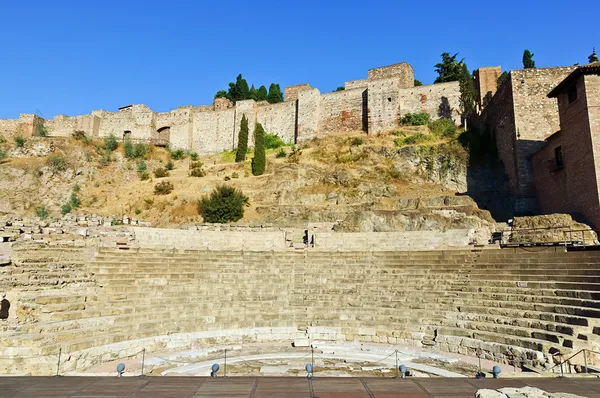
281,387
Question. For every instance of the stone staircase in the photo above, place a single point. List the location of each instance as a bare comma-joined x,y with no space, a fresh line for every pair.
513,306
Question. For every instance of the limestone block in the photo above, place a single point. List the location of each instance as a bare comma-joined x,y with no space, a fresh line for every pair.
486,393
524,392
301,342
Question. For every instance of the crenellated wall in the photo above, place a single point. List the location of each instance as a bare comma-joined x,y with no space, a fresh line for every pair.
371,105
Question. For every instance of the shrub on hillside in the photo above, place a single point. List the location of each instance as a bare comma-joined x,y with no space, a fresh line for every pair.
57,162
161,172
194,156
19,141
224,204
177,154
110,143
356,141
2,154
40,130
273,141
41,212
170,165
281,153
79,135
415,119
197,172
141,166
443,128
196,165
73,203
144,175
163,188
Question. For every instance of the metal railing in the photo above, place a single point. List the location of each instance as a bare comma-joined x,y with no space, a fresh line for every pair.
561,365
550,236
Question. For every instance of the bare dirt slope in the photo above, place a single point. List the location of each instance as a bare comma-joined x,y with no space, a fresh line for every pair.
357,182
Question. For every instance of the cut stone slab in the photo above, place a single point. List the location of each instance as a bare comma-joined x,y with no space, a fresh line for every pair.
301,342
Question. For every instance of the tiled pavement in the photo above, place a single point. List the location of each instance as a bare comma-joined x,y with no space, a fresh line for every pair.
283,387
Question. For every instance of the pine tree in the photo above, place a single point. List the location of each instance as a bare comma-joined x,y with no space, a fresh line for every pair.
449,70
528,62
242,148
275,94
593,57
259,162
262,93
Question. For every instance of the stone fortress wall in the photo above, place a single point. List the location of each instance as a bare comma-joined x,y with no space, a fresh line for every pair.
521,117
371,105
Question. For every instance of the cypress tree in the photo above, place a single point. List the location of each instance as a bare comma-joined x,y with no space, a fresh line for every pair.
259,161
467,92
275,94
242,148
528,62
243,87
253,93
262,93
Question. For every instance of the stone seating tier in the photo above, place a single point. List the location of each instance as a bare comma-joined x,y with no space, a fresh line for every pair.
513,306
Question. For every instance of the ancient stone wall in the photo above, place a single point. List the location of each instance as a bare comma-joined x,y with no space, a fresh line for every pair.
290,93
572,187
8,128
304,114
402,71
384,105
279,119
281,240
309,110
486,83
498,119
438,100
343,111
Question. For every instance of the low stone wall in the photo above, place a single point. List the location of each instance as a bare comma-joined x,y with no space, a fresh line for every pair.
285,240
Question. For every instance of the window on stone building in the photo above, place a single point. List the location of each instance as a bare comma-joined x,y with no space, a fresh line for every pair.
558,158
126,135
572,94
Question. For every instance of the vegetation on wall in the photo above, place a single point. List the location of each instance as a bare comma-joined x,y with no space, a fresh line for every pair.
593,57
224,204
240,91
259,161
501,79
242,148
418,83
40,130
340,88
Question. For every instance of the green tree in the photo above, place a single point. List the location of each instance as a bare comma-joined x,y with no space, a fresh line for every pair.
502,78
340,88
262,93
593,56
222,94
467,92
418,83
253,93
528,62
243,88
259,161
449,70
225,204
275,94
242,148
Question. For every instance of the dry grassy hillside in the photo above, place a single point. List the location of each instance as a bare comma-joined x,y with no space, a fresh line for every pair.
356,181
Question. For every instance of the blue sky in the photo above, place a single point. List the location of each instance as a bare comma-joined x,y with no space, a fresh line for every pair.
70,57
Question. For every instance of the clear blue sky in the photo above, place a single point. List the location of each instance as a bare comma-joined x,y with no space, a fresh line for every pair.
70,57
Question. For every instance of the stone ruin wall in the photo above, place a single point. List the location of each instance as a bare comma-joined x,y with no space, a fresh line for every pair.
371,105
521,116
